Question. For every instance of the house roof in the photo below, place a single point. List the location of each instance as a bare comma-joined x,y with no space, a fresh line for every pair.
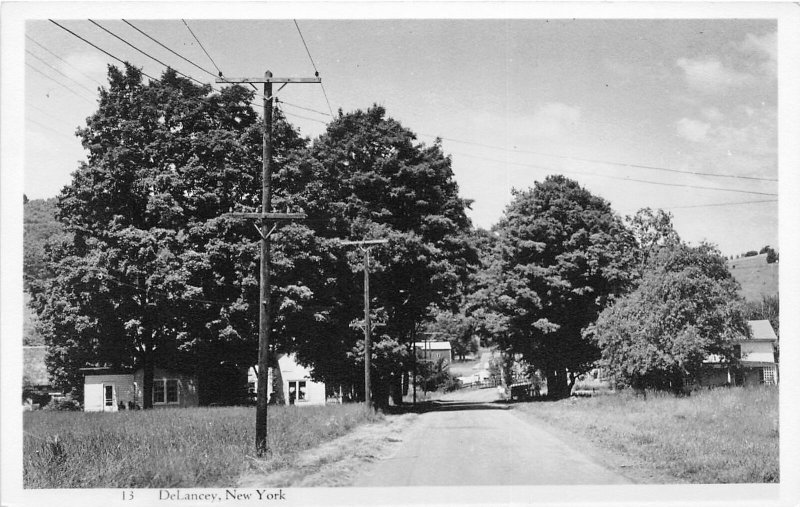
762,330
433,345
34,368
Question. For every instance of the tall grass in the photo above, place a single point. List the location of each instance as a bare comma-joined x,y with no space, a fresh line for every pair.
727,435
190,447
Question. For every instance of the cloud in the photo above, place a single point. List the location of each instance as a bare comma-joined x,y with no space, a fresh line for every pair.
712,114
764,47
692,130
745,144
710,75
553,120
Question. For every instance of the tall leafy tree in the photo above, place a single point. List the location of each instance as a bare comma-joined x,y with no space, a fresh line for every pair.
368,177
151,272
685,308
561,255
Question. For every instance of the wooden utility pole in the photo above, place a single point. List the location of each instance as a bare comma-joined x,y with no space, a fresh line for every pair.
263,221
365,246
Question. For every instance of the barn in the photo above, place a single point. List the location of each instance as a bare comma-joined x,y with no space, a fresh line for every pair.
113,389
433,351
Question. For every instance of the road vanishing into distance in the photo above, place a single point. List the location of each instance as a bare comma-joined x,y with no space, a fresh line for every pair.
469,439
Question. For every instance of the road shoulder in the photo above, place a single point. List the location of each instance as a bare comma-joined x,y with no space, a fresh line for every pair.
636,470
335,463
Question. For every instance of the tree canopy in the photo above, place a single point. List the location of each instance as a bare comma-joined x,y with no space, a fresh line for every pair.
561,253
150,271
367,177
684,309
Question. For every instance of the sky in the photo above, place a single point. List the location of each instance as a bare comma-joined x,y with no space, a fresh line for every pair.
672,114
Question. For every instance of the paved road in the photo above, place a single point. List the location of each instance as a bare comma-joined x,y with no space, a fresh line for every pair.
470,440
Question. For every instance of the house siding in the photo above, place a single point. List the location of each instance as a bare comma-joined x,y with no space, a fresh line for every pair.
127,389
123,391
293,372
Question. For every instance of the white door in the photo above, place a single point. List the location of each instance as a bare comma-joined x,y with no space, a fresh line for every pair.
109,398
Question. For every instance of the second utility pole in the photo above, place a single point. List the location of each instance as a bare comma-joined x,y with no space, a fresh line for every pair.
365,246
264,219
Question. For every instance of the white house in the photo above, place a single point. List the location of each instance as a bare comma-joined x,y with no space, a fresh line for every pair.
298,388
756,360
110,390
433,351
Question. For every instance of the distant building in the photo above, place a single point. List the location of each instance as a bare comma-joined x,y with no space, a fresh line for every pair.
37,384
298,388
433,351
110,389
756,363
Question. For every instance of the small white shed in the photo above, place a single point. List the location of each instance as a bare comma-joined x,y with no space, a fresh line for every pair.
109,390
298,388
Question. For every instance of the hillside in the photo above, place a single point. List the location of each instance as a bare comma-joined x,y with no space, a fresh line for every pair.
756,277
40,225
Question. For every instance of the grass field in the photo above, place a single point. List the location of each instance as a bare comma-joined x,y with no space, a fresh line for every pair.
719,436
756,278
191,447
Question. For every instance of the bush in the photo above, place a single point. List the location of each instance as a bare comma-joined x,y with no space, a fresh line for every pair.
64,405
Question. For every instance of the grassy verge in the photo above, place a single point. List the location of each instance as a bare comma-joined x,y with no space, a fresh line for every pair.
193,447
718,436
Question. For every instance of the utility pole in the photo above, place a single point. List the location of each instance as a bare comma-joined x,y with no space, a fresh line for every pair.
365,247
263,220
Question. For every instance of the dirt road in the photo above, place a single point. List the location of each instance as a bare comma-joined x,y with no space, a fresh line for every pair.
468,438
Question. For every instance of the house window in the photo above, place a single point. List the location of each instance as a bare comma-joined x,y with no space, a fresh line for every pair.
767,375
172,391
165,391
297,391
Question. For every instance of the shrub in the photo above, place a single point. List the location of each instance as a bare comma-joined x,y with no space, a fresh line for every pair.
64,405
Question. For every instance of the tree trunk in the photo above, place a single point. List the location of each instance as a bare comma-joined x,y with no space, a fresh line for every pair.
148,369
396,388
557,386
277,380
380,393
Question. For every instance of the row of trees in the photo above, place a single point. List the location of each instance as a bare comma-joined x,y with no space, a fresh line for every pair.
148,270
568,283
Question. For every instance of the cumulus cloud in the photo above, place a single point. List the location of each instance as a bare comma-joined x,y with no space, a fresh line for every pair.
766,45
554,119
692,130
712,114
710,75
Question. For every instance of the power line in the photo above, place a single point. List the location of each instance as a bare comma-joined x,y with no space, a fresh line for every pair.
144,52
99,48
48,128
59,83
300,116
66,76
721,204
597,161
66,62
623,178
201,47
168,49
316,72
304,108
46,113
